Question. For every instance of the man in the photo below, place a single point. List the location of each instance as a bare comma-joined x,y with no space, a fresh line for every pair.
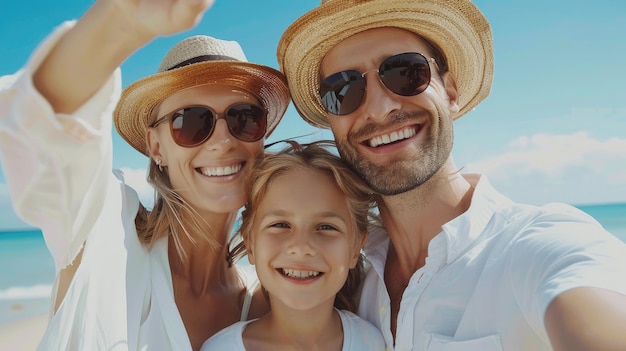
459,266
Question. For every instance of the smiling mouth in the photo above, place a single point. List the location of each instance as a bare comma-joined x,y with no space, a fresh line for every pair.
221,171
393,137
298,274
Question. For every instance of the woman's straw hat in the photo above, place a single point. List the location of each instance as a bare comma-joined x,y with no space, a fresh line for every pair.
456,27
198,60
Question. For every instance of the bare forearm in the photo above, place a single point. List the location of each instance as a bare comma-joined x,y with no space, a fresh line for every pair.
86,56
587,319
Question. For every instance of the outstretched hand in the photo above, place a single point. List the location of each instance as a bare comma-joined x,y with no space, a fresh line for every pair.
154,18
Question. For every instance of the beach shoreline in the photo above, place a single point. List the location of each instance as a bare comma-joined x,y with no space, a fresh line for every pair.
23,334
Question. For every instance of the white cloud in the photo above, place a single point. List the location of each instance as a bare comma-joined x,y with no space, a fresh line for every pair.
136,178
575,168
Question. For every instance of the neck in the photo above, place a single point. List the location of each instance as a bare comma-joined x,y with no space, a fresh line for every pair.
414,218
316,326
204,265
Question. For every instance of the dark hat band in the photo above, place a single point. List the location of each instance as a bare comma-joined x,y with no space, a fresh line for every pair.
203,58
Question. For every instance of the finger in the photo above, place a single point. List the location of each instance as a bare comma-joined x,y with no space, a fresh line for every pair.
195,8
200,4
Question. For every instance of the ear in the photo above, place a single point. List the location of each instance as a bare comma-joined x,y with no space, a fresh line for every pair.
249,251
356,254
154,145
451,91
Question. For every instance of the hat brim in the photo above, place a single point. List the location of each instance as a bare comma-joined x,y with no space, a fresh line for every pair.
132,115
457,28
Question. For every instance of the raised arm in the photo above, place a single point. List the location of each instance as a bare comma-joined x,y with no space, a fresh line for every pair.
103,38
56,151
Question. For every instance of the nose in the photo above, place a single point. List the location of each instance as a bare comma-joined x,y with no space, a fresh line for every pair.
378,101
221,139
300,244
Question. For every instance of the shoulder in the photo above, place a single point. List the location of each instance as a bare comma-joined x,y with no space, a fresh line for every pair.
560,245
528,227
512,219
353,321
360,334
542,243
229,338
556,226
553,235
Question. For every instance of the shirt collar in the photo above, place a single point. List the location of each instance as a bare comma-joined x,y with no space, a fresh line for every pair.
457,234
376,248
466,228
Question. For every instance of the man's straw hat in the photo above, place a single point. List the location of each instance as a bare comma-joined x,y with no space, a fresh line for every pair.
198,60
456,27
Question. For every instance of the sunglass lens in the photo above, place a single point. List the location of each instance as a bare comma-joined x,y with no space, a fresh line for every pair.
342,92
405,74
192,125
247,122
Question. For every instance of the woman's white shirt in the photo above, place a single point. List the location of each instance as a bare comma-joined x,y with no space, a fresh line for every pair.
58,170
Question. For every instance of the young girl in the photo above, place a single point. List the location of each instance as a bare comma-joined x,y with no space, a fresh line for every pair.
303,229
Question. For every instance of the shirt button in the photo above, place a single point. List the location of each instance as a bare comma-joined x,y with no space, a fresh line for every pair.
383,309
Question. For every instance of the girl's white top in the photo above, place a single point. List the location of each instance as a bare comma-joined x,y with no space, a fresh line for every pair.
358,335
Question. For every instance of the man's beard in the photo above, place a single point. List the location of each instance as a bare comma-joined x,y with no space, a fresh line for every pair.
399,176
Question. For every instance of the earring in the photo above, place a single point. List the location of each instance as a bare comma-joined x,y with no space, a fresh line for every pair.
158,163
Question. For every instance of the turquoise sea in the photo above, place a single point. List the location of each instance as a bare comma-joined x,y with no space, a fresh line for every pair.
27,269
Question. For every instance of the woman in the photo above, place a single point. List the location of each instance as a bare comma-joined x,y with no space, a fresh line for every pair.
128,277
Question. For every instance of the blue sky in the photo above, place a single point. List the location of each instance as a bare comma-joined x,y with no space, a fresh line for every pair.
553,128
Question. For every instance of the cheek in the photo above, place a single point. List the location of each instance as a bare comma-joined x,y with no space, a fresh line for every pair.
256,149
263,248
437,96
343,253
340,125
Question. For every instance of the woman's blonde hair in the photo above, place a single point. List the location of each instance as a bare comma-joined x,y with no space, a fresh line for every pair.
171,214
314,156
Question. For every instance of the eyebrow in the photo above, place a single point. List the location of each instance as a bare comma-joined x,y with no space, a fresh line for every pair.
285,213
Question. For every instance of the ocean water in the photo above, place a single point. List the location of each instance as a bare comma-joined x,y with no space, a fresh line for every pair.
26,275
27,269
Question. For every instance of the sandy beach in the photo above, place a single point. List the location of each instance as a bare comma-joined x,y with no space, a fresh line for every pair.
23,335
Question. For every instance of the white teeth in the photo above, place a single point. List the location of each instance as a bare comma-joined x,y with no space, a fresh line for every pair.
294,273
221,171
394,136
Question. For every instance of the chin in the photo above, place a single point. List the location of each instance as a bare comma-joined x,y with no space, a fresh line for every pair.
222,204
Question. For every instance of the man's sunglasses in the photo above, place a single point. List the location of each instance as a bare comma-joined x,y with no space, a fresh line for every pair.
405,74
193,125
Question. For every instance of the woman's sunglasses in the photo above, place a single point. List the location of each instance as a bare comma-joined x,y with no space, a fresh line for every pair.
406,74
193,125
